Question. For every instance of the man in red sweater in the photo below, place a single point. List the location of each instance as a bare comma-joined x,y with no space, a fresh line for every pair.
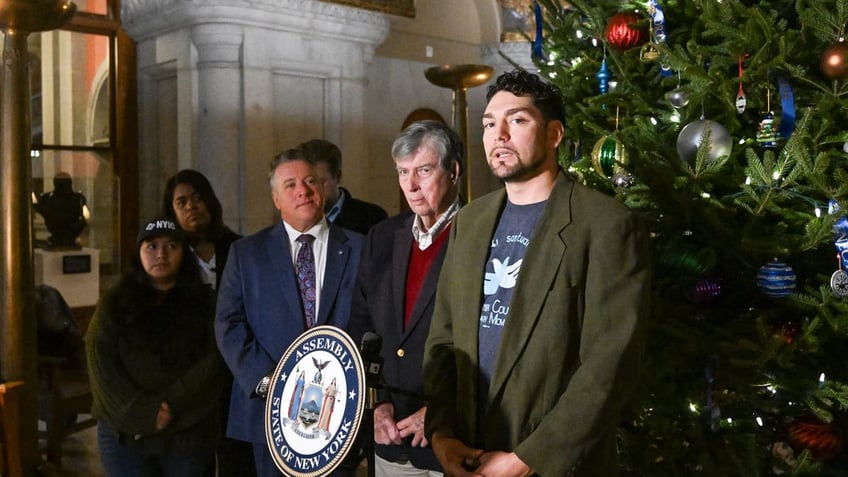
396,286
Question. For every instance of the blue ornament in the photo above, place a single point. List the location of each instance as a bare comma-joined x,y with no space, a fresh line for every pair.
776,279
537,50
603,76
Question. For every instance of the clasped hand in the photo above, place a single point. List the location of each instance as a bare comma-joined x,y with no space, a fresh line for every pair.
460,460
388,432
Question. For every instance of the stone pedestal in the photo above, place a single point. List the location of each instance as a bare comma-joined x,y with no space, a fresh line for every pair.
75,273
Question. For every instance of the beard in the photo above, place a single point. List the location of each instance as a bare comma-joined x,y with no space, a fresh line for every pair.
518,171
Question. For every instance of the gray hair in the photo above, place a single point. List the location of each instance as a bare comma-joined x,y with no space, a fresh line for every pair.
444,141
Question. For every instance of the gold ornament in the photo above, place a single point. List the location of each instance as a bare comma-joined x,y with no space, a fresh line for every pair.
649,52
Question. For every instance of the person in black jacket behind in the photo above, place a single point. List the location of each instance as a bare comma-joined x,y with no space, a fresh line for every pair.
340,207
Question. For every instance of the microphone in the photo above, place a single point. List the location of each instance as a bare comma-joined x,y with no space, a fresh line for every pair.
369,349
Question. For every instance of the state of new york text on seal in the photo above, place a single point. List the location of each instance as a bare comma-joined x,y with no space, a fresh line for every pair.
316,403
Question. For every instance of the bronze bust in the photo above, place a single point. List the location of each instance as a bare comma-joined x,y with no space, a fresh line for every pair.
65,213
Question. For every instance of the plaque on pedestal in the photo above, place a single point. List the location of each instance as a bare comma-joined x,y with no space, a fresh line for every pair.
75,273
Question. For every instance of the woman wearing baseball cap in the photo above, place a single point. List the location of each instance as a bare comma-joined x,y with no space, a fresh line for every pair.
156,373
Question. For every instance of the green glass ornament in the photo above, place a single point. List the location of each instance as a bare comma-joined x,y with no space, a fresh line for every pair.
608,155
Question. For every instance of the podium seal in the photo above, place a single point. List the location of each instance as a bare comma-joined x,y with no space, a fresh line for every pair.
316,403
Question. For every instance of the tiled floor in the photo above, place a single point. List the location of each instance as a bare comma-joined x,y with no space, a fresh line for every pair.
80,458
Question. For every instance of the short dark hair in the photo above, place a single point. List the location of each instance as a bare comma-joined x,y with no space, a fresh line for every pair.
289,155
445,142
207,194
546,96
320,150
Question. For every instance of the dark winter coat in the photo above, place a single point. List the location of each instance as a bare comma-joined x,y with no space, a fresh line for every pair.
142,352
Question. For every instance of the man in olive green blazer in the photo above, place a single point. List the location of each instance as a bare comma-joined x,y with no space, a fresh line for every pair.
543,394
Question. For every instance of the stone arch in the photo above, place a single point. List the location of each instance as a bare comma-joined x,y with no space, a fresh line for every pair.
489,15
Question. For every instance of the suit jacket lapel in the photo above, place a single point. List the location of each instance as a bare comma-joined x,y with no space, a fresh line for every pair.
279,255
338,254
400,261
544,255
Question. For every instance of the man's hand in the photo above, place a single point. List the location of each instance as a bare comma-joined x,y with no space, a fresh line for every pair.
413,425
503,464
385,429
163,416
456,458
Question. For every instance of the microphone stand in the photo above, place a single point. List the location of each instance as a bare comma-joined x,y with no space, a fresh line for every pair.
370,445
373,362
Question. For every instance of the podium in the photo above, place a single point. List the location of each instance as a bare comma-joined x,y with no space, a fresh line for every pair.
75,273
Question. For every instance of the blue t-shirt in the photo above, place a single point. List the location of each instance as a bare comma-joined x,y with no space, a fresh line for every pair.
508,247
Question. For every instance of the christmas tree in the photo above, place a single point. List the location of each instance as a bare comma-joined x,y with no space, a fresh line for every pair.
722,122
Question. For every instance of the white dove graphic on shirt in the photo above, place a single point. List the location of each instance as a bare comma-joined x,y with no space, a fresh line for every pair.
505,275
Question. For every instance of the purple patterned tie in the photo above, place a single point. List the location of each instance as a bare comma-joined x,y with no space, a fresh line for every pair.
306,277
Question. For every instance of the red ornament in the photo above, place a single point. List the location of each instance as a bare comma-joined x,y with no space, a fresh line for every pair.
824,440
834,61
623,31
785,328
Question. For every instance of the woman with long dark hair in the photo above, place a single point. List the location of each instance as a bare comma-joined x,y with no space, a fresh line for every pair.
155,371
190,200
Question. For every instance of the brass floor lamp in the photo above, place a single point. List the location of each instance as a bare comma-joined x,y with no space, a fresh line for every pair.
459,78
19,18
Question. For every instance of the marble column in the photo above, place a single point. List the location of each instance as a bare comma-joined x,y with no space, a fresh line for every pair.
219,112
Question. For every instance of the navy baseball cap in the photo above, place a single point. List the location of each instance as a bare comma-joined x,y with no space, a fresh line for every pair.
157,227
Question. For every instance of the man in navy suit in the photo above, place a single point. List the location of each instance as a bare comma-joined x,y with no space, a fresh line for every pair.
396,288
260,311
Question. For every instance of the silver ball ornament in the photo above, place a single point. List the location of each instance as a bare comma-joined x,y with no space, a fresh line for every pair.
692,135
623,179
678,98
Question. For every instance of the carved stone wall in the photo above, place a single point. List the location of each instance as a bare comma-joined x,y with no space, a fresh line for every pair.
224,85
